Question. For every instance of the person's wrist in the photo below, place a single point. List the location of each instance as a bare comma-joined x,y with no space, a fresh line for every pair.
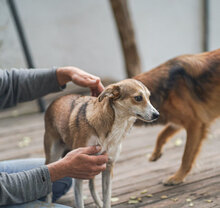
63,75
57,170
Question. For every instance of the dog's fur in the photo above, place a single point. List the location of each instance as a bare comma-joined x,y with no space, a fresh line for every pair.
186,92
75,121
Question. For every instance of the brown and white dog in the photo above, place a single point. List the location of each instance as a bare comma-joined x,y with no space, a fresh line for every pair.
75,121
186,92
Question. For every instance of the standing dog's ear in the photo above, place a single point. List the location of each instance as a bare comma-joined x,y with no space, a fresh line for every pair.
113,92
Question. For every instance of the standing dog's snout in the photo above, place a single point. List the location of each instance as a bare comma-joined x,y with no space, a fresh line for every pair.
155,115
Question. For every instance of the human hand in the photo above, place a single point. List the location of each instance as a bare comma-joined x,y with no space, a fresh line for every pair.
80,163
81,78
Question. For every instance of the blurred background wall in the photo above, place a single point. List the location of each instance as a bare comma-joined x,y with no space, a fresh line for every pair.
84,34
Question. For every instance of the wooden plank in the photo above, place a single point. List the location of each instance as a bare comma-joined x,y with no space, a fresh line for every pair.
198,192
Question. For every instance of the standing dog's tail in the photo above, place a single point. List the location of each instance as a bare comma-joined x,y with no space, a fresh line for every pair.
95,194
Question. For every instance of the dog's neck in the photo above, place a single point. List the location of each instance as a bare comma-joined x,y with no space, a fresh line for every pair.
101,117
111,124
121,126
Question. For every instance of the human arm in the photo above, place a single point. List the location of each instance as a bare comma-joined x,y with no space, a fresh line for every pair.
33,184
24,186
20,85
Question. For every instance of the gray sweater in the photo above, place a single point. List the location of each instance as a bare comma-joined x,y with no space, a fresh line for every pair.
19,86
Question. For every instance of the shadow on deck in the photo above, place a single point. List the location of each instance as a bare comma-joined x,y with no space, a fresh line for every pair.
134,176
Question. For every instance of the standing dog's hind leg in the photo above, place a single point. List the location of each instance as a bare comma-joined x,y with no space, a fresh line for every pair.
57,150
162,138
53,147
53,150
196,132
78,193
94,193
106,186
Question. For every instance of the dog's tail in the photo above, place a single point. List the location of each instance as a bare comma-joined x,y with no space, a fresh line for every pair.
94,193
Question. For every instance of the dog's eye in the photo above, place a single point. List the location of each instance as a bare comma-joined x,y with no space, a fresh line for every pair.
138,98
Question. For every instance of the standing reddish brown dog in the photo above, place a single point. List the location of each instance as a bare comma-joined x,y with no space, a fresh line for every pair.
186,92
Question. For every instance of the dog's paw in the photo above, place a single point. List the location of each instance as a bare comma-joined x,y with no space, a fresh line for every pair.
172,181
155,156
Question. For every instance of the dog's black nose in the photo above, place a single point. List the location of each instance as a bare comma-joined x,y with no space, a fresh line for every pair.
155,116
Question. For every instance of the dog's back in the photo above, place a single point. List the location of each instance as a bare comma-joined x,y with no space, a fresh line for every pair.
185,86
63,112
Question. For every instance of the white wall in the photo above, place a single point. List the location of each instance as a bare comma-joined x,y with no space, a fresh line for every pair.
214,36
83,33
167,28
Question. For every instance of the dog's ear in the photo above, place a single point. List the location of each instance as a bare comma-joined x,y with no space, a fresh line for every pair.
113,92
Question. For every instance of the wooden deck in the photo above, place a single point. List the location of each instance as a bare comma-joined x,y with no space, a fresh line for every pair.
22,137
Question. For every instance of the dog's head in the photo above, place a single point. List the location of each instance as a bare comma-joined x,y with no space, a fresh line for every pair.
132,98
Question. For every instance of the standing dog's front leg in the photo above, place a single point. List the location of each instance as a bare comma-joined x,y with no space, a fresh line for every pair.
106,186
78,193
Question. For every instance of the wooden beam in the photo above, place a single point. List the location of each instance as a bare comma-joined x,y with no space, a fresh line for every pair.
127,36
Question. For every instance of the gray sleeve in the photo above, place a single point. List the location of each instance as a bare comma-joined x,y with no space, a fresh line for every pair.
20,85
24,186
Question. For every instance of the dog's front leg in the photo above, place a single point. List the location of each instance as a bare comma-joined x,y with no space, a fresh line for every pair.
78,193
196,132
162,138
106,186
